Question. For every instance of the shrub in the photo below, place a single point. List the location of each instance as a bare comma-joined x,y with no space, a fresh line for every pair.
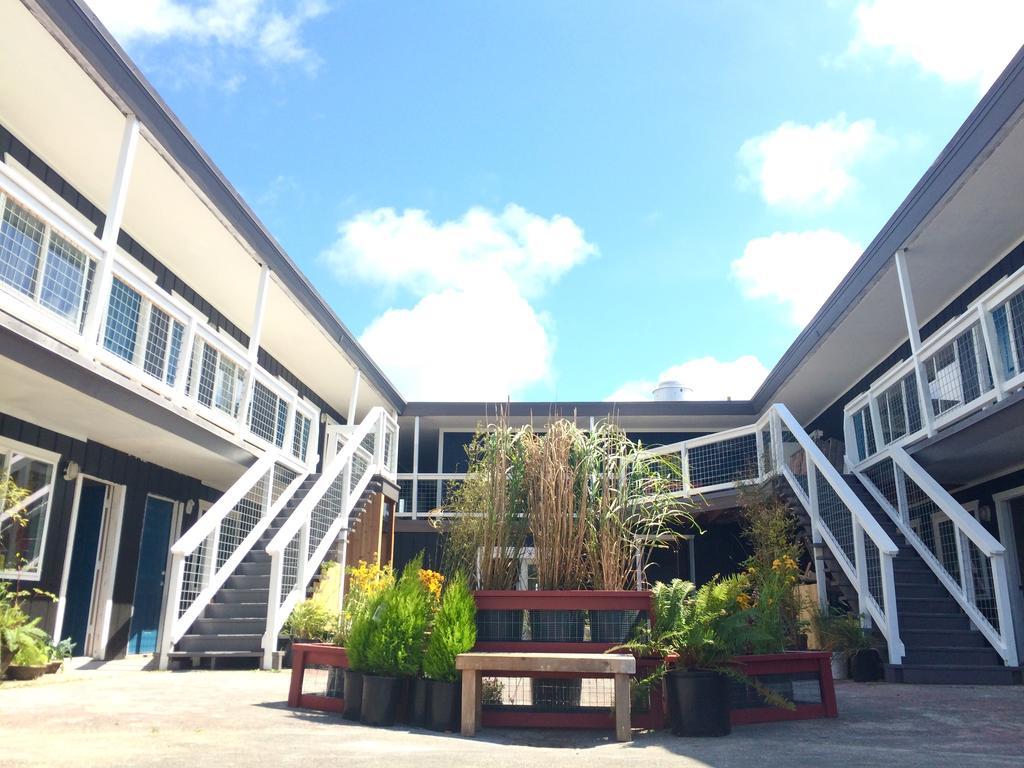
311,620
454,631
392,631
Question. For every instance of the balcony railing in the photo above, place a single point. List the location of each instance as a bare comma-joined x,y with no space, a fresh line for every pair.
974,360
48,268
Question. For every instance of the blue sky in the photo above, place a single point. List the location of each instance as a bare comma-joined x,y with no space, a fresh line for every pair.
570,200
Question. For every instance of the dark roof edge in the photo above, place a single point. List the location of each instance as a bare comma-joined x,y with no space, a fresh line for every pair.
984,123
586,408
94,42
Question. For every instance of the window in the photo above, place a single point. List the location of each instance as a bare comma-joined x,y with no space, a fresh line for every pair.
39,263
216,380
23,523
300,436
139,332
268,415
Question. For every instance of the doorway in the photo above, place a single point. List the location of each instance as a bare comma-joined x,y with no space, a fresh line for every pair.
82,572
1010,516
150,576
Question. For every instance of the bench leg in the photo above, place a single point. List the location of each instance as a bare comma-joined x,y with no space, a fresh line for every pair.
623,702
471,702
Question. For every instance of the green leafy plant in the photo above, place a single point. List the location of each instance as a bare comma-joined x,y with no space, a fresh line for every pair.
31,652
492,691
454,631
311,620
840,632
390,632
60,651
702,629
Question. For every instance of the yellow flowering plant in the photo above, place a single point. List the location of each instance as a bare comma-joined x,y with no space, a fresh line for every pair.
433,582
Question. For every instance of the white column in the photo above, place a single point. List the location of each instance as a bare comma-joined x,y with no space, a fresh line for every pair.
990,339
253,354
108,240
914,333
354,399
415,464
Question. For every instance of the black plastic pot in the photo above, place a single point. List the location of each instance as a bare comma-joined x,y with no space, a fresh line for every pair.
381,697
353,695
613,626
698,702
866,666
445,705
557,626
419,706
285,644
497,626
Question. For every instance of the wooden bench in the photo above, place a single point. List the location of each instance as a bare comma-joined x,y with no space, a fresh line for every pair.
622,666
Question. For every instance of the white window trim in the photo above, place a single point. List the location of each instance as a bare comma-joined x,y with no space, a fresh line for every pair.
48,457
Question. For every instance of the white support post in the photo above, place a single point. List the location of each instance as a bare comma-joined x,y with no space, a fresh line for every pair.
817,545
1002,596
903,509
914,334
354,399
762,470
995,360
104,278
876,421
892,634
684,469
273,606
253,354
177,574
303,559
415,465
860,563
963,562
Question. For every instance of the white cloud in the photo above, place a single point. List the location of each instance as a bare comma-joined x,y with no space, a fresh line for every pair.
472,333
411,251
456,344
706,378
960,42
256,25
796,269
800,166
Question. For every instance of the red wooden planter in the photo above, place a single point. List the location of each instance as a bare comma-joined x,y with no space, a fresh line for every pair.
305,656
807,666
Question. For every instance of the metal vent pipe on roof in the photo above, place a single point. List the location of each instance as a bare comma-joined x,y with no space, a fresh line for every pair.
670,390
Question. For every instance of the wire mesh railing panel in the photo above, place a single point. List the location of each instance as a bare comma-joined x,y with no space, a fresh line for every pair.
795,459
729,461
836,517
899,410
300,435
240,521
369,443
21,243
883,476
983,593
932,527
323,680
1008,319
405,496
427,494
283,477
289,566
958,372
873,566
360,464
328,509
193,575
864,433
548,694
63,278
124,311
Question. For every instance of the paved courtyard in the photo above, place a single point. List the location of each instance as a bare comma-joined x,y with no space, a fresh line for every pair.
116,715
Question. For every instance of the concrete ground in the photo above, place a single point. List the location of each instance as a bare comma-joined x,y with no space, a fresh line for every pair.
116,715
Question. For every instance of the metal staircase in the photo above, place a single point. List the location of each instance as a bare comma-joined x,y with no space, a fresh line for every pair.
238,572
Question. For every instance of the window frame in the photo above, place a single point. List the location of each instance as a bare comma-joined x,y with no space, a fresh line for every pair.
8,446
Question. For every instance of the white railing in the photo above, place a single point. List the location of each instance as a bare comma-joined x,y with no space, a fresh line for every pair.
300,546
777,445
974,360
48,261
966,558
423,494
208,553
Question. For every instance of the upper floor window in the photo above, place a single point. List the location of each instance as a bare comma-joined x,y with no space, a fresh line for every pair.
24,514
40,264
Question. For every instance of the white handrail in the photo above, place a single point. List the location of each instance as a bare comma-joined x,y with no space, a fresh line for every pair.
334,495
961,583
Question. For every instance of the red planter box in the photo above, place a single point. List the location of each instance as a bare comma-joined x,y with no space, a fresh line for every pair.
309,655
804,669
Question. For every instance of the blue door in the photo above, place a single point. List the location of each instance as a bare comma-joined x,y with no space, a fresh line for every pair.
81,576
149,578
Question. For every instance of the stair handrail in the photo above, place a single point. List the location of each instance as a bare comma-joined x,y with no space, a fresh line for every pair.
905,467
340,468
201,544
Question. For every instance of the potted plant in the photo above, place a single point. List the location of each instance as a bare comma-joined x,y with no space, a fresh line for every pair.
853,644
57,653
30,657
830,628
698,632
631,512
395,624
366,582
487,530
454,632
